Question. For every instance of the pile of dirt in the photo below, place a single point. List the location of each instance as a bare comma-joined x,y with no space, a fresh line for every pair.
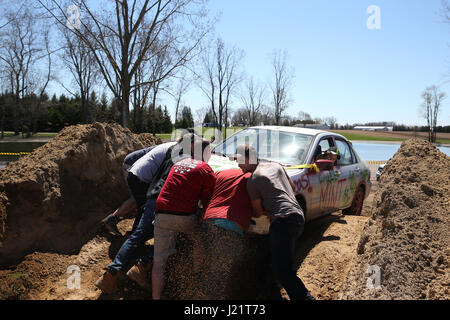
52,200
406,243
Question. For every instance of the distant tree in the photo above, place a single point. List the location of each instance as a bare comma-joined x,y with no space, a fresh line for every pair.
208,117
241,118
430,108
330,121
181,88
253,100
281,84
167,122
187,120
220,78
22,49
80,62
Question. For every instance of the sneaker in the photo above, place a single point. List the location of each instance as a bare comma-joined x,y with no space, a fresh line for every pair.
309,297
108,282
139,274
110,224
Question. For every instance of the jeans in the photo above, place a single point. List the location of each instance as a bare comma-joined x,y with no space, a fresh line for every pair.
283,234
138,190
128,253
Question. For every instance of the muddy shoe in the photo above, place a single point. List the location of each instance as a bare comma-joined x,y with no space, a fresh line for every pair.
139,274
108,282
110,224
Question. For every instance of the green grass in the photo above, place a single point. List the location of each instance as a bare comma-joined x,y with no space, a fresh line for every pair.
45,134
360,137
164,136
10,134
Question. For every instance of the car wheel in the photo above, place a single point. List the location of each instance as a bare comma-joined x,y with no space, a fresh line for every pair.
358,200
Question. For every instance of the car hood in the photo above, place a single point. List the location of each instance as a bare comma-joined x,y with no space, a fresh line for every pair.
219,163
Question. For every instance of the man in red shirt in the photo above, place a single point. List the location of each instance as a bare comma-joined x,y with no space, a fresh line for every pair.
226,219
189,181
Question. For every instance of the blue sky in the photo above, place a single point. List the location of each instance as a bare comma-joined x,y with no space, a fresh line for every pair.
342,69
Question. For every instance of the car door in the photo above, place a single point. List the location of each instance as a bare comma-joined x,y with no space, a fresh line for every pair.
349,173
324,184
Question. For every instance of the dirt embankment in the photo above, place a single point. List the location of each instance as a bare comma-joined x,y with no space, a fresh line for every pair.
52,199
407,242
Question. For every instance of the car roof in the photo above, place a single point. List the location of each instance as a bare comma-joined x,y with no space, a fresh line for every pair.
311,132
306,131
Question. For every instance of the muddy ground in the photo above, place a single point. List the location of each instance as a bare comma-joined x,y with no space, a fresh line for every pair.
331,256
323,256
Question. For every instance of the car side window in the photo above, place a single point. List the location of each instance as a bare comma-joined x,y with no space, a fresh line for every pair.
324,145
346,156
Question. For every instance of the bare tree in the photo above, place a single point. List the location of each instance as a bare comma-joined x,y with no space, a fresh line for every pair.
181,88
24,47
200,114
430,108
253,101
330,121
281,84
304,116
220,78
80,61
9,11
125,33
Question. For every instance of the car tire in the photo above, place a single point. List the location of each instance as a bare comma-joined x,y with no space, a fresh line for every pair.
357,204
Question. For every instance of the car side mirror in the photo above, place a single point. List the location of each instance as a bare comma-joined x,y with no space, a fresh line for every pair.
324,165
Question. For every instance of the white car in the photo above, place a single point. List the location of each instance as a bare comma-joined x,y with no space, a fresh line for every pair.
323,186
380,171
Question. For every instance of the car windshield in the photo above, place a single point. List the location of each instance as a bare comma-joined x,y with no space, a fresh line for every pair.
286,148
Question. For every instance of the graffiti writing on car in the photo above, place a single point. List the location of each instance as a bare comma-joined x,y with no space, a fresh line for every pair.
330,193
303,183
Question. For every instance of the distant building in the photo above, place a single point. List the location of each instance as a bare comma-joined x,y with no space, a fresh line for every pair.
210,125
317,126
373,128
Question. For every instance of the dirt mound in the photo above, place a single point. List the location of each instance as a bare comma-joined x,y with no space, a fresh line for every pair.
51,200
407,240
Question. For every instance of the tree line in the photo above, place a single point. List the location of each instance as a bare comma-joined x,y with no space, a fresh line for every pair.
138,50
56,113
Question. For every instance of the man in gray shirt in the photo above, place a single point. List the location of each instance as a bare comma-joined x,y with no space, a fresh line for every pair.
146,166
139,178
271,192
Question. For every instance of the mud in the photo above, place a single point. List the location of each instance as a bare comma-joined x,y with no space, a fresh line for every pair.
51,200
407,238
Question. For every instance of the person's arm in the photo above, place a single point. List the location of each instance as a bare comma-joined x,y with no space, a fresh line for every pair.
258,209
255,199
